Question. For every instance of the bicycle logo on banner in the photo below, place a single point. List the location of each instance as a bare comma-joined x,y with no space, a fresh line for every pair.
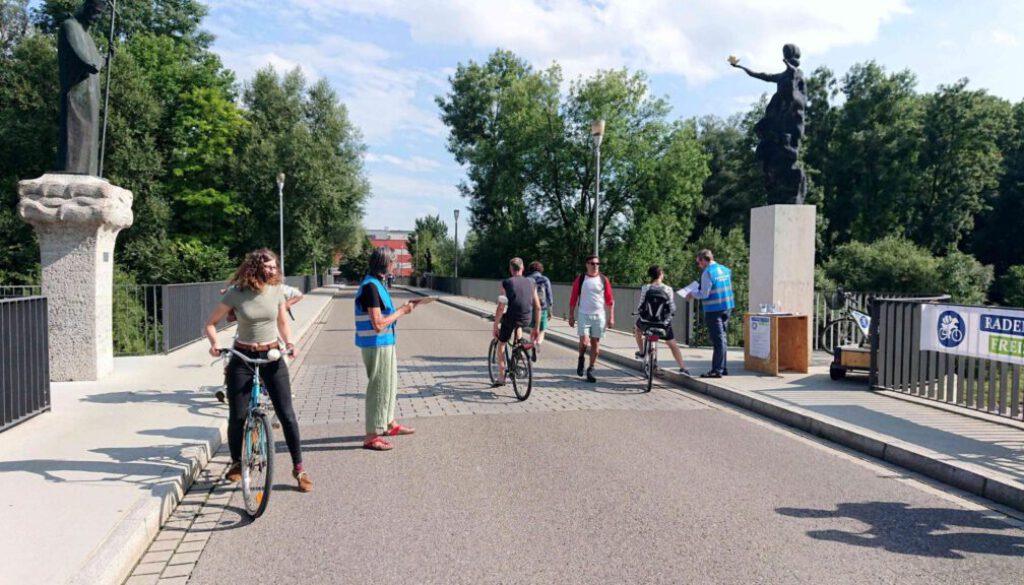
951,329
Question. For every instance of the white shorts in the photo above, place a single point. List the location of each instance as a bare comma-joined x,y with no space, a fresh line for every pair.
592,326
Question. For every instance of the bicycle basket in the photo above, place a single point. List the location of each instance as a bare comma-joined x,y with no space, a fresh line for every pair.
835,300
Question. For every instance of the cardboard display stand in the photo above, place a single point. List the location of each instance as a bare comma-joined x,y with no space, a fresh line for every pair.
775,343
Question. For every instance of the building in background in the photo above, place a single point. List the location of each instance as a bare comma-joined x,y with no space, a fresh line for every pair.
397,240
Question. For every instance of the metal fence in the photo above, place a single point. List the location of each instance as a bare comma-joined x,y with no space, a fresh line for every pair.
688,316
626,299
899,364
24,360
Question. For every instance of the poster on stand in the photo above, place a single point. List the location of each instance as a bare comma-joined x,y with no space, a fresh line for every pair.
982,332
760,337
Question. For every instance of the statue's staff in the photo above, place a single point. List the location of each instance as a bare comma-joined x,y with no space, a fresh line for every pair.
106,93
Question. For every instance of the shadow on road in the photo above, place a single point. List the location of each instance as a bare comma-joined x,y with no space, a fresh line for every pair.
926,532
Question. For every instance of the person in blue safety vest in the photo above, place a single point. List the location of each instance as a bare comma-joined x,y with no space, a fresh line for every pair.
716,293
375,317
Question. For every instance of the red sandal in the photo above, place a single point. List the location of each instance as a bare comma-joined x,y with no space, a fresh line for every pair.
377,444
398,429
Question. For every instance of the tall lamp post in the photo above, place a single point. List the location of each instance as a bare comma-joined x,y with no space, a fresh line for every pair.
597,131
280,215
456,243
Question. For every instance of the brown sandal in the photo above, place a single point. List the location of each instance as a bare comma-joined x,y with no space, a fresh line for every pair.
377,444
305,484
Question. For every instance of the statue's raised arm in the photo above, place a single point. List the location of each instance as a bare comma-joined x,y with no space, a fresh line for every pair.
769,77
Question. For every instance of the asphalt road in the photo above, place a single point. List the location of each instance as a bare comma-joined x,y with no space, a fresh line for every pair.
580,484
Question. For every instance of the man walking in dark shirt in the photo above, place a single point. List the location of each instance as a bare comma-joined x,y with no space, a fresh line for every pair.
518,305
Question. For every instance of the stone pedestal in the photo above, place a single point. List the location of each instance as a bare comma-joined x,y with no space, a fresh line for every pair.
782,259
77,218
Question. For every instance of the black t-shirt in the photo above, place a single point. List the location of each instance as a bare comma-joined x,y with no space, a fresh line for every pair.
519,290
370,297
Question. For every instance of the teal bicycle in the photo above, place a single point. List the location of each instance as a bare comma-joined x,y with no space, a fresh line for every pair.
257,438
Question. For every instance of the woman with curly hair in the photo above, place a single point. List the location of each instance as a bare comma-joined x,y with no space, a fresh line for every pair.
258,301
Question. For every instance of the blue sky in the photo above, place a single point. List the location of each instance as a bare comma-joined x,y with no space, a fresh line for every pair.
388,59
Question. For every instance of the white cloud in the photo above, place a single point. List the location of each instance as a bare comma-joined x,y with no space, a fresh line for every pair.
380,97
412,164
689,39
1005,39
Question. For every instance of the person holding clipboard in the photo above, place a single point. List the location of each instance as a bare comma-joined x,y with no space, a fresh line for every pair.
376,318
715,290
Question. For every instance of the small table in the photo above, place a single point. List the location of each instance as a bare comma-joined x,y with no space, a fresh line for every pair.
776,342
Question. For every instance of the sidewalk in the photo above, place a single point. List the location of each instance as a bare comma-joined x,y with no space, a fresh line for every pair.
86,486
977,453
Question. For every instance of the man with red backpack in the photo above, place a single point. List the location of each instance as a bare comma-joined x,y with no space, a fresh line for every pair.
592,294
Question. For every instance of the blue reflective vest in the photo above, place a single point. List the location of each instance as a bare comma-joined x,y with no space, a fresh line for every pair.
365,334
721,297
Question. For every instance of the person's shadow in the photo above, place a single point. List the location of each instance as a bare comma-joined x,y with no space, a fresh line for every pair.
927,532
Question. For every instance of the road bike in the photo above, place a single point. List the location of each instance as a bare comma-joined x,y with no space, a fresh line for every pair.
852,327
518,363
257,437
652,333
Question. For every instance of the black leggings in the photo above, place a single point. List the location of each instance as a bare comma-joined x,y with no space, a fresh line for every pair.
275,383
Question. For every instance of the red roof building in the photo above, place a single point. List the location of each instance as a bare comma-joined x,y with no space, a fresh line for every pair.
397,240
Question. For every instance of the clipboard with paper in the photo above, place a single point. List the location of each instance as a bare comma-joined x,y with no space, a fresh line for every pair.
690,289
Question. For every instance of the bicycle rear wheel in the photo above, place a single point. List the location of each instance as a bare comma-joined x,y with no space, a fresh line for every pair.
652,363
521,372
257,463
492,360
839,333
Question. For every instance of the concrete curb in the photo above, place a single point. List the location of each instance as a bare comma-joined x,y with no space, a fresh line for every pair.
114,559
912,457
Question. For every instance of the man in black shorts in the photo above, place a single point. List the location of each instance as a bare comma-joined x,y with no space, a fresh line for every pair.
518,304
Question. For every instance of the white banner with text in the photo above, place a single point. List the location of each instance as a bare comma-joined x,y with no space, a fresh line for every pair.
981,332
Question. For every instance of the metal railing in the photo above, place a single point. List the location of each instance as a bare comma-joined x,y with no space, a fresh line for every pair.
626,299
24,360
154,318
899,364
8,291
689,313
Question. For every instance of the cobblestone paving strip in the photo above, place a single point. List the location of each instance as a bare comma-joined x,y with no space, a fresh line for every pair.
176,548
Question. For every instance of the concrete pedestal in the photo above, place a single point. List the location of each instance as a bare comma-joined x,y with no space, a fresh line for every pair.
77,219
782,259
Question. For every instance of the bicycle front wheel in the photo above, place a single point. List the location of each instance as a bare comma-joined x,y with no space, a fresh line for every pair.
493,355
521,372
839,333
257,463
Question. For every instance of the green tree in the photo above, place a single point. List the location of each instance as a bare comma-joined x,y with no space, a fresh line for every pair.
305,133
996,238
961,163
430,234
897,265
28,143
530,172
14,23
734,184
873,170
1011,287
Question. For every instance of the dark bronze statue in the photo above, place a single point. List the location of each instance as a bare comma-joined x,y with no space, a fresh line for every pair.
780,130
80,63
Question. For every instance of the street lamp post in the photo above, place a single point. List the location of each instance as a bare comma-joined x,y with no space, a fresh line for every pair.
456,243
280,214
597,131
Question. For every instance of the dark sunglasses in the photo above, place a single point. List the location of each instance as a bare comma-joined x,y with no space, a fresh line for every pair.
594,263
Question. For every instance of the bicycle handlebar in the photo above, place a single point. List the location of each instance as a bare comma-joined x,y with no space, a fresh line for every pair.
225,351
